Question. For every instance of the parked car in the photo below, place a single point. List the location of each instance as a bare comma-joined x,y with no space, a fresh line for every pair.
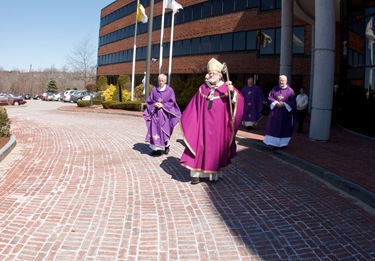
78,95
58,96
27,97
38,96
67,95
8,99
47,96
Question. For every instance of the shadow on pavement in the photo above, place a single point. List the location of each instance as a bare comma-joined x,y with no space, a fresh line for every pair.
143,148
172,167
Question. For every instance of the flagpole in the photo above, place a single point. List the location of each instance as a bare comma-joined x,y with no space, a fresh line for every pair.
134,53
149,42
171,50
161,38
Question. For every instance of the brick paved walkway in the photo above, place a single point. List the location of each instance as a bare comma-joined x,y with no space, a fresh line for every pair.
81,186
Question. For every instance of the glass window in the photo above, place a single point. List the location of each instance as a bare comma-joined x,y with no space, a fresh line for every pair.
168,19
267,47
350,57
177,48
186,47
206,9
239,41
227,42
155,51
277,40
217,7
188,14
228,7
127,32
240,5
267,5
138,53
355,59
179,17
215,43
205,44
197,12
156,24
298,40
278,4
251,40
121,57
253,3
166,49
195,43
122,33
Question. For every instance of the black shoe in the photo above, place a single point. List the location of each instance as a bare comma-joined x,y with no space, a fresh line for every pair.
195,181
249,127
155,153
166,150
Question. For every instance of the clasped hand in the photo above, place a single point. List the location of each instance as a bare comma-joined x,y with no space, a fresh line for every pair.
158,105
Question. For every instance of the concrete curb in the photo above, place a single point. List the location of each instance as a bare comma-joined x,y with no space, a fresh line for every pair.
341,183
4,151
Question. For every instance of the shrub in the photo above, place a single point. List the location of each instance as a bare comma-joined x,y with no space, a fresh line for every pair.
4,123
102,83
108,93
129,105
91,87
81,103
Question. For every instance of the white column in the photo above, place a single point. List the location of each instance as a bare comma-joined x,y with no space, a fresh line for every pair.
312,66
286,48
324,64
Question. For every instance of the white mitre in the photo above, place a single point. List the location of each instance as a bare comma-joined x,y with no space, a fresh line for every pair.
214,66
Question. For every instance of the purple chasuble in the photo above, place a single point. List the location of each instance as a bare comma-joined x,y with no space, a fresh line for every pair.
253,103
281,122
161,122
209,134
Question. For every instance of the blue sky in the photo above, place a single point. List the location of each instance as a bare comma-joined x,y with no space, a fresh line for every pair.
42,33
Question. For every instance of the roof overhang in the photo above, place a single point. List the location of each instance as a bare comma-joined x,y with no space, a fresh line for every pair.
305,10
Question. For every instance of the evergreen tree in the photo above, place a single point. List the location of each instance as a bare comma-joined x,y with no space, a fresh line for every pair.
102,83
52,86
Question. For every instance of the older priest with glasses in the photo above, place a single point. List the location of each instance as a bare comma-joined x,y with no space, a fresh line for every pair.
209,124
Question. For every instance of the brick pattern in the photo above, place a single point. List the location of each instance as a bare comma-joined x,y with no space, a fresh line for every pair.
83,187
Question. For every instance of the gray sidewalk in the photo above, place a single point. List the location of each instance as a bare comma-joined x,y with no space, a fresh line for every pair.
81,186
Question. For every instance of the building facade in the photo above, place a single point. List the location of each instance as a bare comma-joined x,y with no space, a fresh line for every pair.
233,32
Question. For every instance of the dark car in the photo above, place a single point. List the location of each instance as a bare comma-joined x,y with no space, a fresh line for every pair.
8,99
78,95
27,97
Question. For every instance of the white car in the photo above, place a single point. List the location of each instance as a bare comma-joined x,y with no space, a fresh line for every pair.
86,98
58,96
67,95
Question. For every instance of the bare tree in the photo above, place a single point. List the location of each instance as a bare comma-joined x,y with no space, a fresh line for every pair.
82,62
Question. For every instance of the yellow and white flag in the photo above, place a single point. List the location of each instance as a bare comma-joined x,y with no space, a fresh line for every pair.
141,14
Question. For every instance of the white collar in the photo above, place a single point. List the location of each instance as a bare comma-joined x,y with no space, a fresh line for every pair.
216,85
161,89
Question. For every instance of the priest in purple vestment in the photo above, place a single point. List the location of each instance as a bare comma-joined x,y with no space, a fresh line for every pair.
281,120
209,124
253,104
161,115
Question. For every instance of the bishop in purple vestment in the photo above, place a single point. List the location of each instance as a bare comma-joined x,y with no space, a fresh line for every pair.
209,124
161,115
281,120
253,104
